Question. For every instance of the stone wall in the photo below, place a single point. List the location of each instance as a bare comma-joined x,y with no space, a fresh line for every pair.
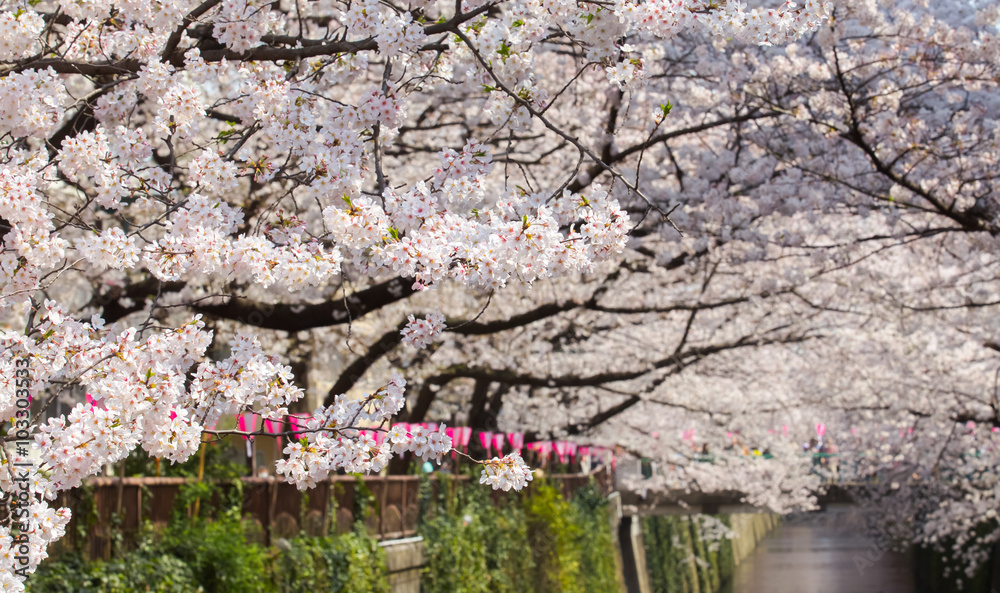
687,554
687,563
750,529
404,562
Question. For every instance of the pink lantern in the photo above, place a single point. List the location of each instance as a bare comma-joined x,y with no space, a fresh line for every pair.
247,423
498,439
820,430
561,449
274,427
516,440
453,434
297,422
464,436
486,440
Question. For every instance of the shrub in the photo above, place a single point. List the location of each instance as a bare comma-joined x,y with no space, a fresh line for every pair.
349,563
134,573
596,543
218,554
535,542
553,536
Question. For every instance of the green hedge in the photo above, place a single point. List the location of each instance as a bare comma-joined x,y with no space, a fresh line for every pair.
681,557
350,563
533,542
214,556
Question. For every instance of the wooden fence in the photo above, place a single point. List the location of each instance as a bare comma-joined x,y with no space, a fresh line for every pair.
111,507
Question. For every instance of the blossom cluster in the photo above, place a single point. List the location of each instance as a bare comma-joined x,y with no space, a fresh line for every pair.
420,333
331,439
111,248
505,473
242,23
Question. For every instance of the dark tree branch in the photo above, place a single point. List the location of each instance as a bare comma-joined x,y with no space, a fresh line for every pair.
679,360
491,327
109,302
477,405
258,54
357,369
293,318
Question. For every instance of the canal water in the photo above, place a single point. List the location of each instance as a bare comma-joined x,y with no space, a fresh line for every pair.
823,553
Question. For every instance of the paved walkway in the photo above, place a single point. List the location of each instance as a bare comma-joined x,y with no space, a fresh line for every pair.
822,553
